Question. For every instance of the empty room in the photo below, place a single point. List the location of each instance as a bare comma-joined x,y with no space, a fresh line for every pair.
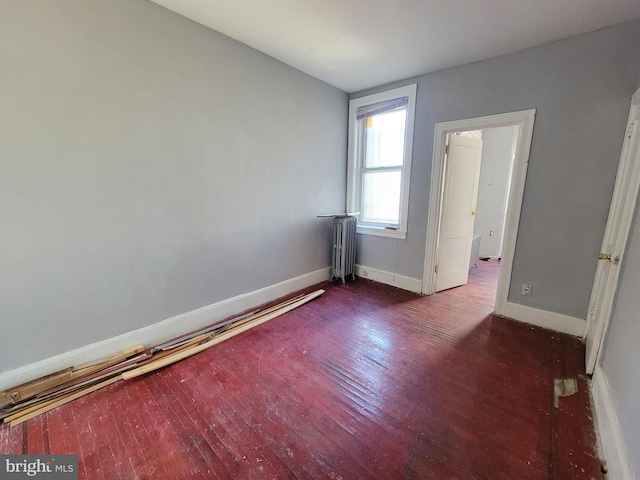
342,240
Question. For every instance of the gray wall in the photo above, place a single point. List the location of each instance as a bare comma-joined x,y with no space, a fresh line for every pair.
622,355
495,169
581,89
148,167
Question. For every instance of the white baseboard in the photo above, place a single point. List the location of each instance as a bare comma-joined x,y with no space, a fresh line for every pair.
541,318
612,443
162,331
389,278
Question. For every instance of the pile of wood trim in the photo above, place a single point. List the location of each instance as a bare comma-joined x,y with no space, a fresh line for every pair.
25,401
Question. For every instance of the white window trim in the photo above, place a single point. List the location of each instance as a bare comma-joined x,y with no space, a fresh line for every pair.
353,202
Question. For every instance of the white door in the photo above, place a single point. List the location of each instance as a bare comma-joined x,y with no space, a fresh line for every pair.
458,211
615,238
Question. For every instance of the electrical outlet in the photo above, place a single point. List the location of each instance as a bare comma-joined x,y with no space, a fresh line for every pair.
526,289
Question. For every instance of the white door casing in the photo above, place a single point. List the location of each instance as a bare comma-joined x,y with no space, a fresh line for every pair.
462,174
525,120
621,213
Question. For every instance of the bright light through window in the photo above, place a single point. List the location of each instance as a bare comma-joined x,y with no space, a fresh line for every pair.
381,197
382,174
385,139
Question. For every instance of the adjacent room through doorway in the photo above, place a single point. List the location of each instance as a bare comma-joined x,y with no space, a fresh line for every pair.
478,167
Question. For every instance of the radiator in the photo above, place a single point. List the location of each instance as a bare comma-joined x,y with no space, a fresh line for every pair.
344,247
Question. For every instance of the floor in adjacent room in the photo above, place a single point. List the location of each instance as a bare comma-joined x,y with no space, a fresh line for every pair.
367,381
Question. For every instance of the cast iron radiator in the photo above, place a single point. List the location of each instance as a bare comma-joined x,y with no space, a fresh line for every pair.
344,247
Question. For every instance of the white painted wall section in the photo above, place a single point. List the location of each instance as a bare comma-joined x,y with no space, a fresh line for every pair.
497,156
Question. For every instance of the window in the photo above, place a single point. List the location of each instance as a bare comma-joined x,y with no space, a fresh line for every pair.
380,144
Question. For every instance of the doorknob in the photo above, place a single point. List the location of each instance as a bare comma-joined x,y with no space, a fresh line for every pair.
607,256
474,212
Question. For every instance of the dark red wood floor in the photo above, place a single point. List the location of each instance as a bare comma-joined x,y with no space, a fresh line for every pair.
367,381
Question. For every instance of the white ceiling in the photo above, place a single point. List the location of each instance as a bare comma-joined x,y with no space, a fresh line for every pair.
357,44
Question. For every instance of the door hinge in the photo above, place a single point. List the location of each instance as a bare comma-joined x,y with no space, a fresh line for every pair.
436,269
630,129
446,149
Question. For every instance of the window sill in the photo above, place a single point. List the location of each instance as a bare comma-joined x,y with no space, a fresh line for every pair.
381,232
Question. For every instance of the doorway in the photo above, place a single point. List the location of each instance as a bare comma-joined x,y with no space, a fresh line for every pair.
514,191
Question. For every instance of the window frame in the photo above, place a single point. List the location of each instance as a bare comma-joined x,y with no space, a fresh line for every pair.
356,157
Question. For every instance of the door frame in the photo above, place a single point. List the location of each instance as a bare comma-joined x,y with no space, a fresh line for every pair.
614,242
523,119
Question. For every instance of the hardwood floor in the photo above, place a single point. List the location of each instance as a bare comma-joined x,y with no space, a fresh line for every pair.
367,381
